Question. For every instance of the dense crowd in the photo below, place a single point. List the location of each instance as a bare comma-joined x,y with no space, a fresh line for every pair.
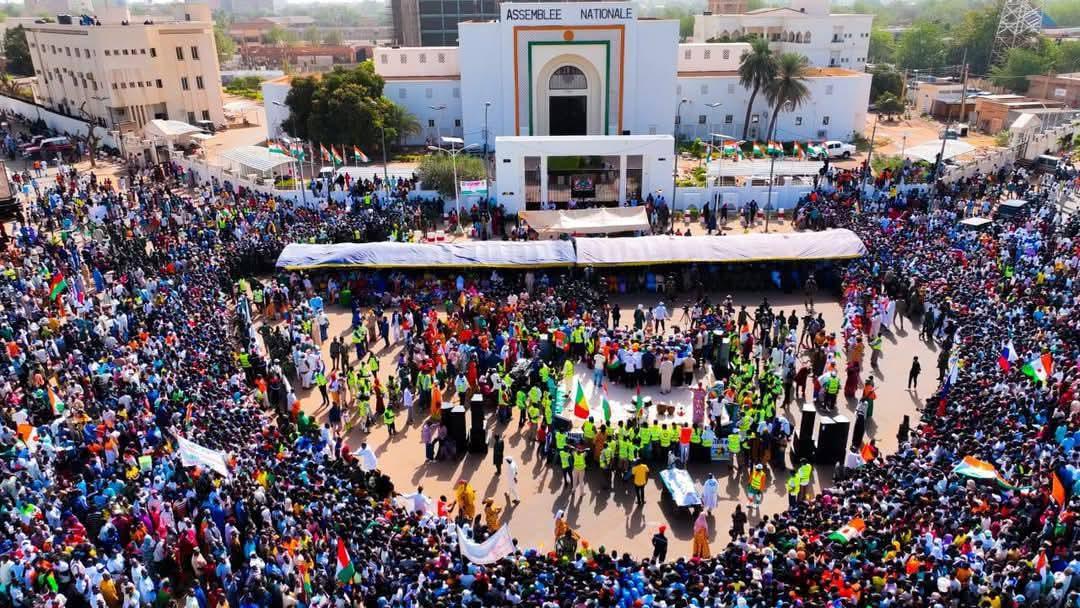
127,326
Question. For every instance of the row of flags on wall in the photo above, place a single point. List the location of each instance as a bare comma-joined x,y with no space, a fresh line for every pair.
334,154
734,149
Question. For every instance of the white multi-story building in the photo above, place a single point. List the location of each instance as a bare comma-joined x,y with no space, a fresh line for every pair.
586,89
128,72
805,27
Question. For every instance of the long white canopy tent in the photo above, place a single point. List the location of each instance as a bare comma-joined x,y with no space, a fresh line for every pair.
590,251
489,254
777,246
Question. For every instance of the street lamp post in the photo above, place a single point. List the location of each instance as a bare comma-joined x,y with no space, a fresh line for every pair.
453,152
487,174
438,125
768,199
675,168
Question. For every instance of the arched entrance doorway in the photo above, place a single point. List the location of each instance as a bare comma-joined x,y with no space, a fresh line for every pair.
568,101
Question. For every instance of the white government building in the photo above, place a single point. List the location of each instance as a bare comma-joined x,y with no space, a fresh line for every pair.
564,91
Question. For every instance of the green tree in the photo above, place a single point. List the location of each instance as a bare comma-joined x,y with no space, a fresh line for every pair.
333,38
399,123
922,47
975,36
889,105
756,70
882,47
17,52
300,101
1019,64
436,171
886,79
224,43
1066,13
788,89
1068,60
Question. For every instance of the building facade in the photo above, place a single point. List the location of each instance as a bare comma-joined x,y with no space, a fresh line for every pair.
1064,88
120,72
805,27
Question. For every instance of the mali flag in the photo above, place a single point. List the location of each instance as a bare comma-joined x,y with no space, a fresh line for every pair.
581,406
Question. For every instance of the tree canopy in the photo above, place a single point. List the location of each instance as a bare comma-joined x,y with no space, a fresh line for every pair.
922,47
17,52
345,107
436,171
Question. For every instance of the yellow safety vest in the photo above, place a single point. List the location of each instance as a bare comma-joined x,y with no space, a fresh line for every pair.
757,480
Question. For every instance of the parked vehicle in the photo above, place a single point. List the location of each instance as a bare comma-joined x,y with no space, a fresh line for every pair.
50,148
837,149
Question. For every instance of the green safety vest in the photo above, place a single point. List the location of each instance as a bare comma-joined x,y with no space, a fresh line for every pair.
707,439
560,440
793,485
579,461
665,437
388,416
654,433
832,385
357,336
733,443
695,436
245,360
520,399
320,379
564,459
588,430
804,474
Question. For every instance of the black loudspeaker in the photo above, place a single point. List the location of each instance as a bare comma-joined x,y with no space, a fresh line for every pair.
804,439
562,423
832,439
544,345
905,428
455,427
858,431
477,435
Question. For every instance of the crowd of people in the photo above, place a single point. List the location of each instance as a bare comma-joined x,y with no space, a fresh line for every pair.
127,319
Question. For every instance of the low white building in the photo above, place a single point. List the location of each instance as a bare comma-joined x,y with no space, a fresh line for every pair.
123,71
805,27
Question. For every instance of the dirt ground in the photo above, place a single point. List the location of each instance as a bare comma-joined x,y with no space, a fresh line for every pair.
610,517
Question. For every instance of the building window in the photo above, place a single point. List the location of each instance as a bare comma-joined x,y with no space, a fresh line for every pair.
825,120
422,58
142,51
123,85
728,119
141,84
403,58
798,121
701,119
195,53
184,83
159,84
708,54
755,118
457,122
106,52
125,51
86,53
686,54
383,59
180,53
431,122
94,84
206,114
731,88
441,57
704,89
428,92
199,82
401,93
457,92
153,52
726,54
828,89
191,118
652,129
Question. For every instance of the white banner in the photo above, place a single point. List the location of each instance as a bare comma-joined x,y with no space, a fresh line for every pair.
473,188
192,454
496,547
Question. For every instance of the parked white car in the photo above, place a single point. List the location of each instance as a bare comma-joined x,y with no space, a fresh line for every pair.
837,149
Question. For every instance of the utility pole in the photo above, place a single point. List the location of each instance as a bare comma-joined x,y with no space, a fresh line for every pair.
940,167
870,151
768,199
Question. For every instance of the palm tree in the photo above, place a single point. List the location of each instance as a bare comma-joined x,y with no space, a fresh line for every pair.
756,69
789,85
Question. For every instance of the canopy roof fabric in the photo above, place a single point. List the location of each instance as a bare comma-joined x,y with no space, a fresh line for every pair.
242,105
825,245
256,158
600,220
492,254
169,128
929,150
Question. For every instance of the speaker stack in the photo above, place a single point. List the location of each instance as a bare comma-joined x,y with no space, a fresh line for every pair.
455,427
858,431
477,436
547,350
832,439
804,439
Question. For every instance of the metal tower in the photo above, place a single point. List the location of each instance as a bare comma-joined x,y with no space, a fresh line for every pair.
1019,24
